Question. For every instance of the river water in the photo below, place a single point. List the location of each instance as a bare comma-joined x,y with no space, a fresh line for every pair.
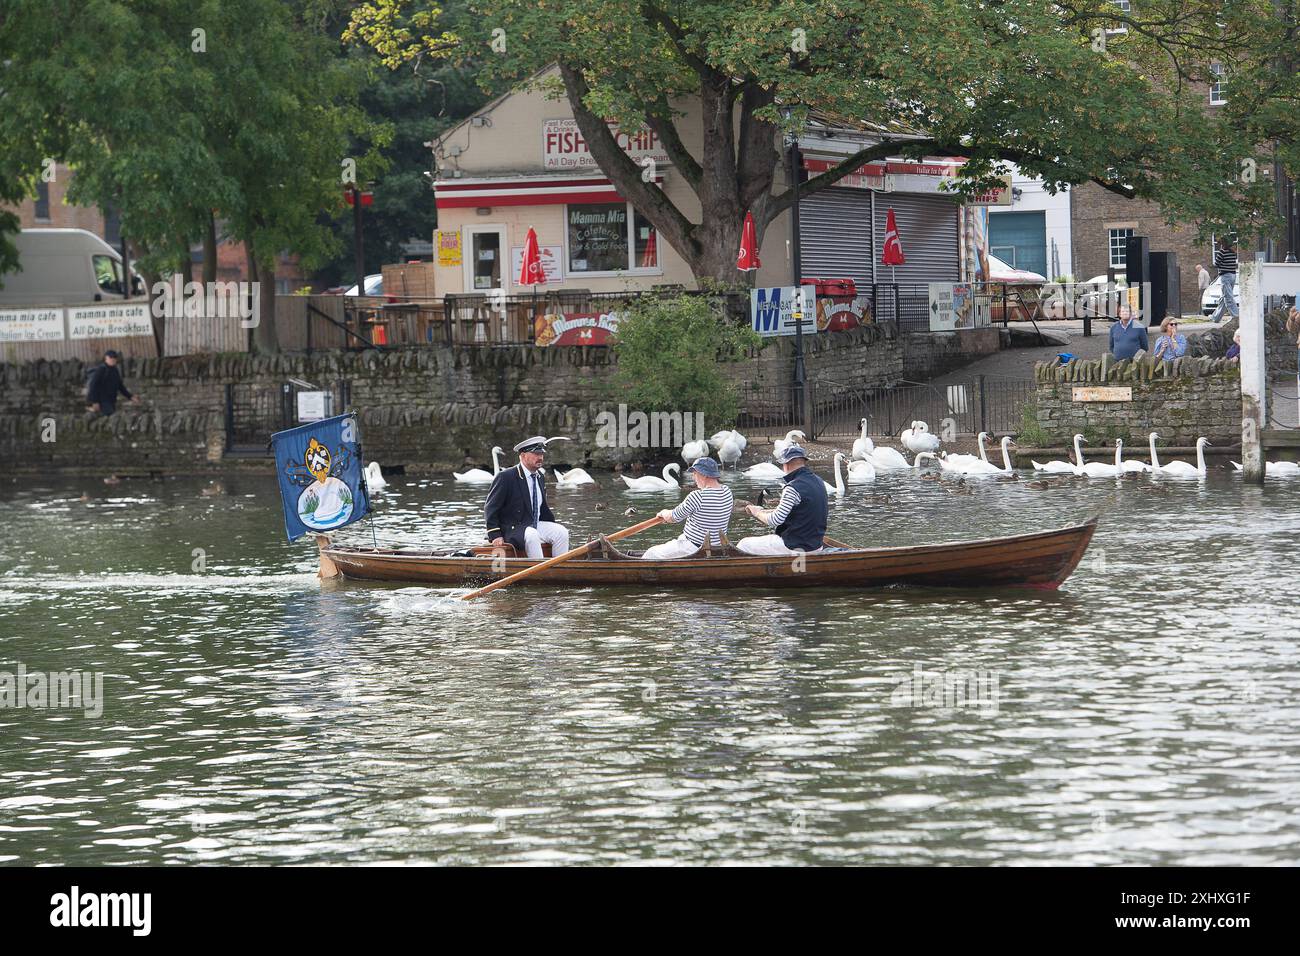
1144,714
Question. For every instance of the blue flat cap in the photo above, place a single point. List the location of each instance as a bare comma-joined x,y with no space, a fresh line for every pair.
791,453
706,466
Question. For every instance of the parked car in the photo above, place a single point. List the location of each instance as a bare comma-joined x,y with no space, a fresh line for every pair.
1212,294
374,286
65,267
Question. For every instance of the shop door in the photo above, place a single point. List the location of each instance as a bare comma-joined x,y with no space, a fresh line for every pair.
486,261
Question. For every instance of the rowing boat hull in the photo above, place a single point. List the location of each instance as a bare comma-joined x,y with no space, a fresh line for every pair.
1039,560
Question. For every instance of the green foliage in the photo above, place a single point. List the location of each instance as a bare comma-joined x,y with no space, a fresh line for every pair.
1030,433
669,354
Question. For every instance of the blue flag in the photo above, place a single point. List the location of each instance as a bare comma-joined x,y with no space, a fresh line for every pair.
321,484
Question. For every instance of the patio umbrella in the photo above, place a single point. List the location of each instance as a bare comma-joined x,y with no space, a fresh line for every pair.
531,271
747,261
892,254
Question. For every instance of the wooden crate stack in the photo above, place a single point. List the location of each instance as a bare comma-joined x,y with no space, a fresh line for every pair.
412,280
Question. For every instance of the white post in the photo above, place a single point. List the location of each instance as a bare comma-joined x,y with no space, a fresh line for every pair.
1254,374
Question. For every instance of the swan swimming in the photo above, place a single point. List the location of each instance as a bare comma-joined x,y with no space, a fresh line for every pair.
1127,466
765,471
1179,469
1278,468
573,478
653,482
856,472
477,476
375,477
1059,467
863,446
1096,469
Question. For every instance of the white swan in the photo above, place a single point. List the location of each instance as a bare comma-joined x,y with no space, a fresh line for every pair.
1278,468
1006,454
1179,469
1096,469
918,438
765,471
1059,467
654,483
573,478
837,488
970,465
374,477
887,459
692,451
792,437
477,476
857,472
1130,465
961,460
730,450
718,438
863,446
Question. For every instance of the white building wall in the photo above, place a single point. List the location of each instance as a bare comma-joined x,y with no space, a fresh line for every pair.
1034,197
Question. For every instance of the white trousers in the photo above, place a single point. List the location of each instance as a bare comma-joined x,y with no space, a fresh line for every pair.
679,547
766,545
557,535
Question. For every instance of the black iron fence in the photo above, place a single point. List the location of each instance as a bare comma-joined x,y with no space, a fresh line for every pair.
827,409
256,410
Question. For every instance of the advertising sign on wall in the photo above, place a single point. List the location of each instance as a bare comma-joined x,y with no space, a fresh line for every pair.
771,311
953,306
837,313
31,325
564,148
109,321
552,262
575,328
448,244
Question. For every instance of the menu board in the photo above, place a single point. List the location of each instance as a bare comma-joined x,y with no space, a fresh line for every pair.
34,324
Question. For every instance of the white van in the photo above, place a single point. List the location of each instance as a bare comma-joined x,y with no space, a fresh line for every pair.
64,267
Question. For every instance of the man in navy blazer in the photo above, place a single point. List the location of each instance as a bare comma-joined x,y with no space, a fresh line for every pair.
516,512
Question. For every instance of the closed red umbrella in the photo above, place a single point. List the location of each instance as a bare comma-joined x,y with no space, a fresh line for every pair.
747,261
531,271
893,251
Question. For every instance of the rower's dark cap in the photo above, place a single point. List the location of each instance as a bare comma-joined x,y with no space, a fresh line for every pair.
791,453
112,353
707,467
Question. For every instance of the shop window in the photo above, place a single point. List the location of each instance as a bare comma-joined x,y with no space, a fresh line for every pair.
42,210
1119,247
608,238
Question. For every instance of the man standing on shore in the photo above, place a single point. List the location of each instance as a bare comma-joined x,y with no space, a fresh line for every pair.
1225,260
1127,337
105,384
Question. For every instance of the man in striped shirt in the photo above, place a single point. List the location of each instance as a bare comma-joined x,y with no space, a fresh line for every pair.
706,511
1225,260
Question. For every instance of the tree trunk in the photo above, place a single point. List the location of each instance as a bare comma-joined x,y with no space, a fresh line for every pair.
265,340
210,249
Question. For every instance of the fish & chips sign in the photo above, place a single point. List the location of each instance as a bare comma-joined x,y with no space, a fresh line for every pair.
563,146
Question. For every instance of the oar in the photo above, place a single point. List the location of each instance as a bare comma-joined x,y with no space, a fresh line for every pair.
552,562
837,544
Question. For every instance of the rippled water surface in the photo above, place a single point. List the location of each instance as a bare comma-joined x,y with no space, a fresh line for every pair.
1145,713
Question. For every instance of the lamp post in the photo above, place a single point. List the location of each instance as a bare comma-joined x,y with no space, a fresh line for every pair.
792,164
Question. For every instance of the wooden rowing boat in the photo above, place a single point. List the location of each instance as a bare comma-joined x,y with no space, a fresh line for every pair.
1042,559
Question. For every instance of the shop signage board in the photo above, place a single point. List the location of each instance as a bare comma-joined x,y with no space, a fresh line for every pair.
771,311
575,328
552,262
35,324
563,146
953,306
1102,393
109,321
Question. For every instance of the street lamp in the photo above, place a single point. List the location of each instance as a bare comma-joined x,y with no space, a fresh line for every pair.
792,163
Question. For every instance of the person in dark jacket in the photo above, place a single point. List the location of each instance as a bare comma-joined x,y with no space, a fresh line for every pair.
798,522
105,385
516,512
1127,337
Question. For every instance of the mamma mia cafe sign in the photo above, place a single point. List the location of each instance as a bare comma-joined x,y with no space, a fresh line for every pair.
34,324
564,148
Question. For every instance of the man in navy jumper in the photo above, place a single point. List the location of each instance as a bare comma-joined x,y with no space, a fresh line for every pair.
1127,337
799,519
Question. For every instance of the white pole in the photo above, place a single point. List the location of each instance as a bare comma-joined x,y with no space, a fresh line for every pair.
1254,407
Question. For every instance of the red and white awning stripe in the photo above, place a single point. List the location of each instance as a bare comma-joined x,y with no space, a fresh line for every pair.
524,191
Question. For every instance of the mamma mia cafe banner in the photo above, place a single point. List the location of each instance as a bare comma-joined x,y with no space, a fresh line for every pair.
109,321
575,328
34,324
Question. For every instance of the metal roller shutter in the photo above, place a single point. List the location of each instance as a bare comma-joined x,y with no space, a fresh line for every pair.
927,228
835,235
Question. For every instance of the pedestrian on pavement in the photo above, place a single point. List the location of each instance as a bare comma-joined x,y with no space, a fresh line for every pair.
105,384
1127,337
1202,278
1225,260
1171,345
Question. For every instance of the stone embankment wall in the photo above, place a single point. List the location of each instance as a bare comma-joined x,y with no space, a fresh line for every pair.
1182,400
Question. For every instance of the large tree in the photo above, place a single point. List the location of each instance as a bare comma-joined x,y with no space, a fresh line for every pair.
1051,86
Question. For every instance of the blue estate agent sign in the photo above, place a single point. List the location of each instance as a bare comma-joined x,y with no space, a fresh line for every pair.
771,311
319,467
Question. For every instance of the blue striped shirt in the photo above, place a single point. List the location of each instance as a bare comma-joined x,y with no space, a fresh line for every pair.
707,512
